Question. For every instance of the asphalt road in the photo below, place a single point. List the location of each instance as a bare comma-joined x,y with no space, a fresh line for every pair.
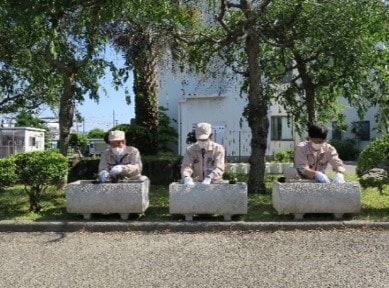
300,258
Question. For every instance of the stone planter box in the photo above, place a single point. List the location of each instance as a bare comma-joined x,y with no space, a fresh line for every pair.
221,198
300,197
85,197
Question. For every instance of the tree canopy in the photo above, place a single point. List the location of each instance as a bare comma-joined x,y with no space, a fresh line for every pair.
318,51
59,47
302,54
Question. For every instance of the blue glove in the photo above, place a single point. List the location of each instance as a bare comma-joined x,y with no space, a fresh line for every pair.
207,180
339,178
103,176
188,181
321,177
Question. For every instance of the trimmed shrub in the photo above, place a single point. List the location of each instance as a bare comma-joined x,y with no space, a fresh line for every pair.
140,137
38,170
346,148
84,169
8,175
162,170
375,155
136,136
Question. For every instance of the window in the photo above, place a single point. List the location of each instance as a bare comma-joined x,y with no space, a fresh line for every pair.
281,128
32,141
361,129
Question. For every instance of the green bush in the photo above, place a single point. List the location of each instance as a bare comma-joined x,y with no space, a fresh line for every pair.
347,149
7,171
162,170
167,135
85,169
78,141
376,154
136,136
283,156
140,137
38,170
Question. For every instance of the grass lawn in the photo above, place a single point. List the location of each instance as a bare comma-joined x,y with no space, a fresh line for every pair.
14,206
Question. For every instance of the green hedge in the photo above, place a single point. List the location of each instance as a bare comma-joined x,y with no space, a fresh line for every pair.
346,148
161,170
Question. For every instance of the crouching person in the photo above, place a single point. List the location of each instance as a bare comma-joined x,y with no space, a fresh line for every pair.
120,161
203,160
312,157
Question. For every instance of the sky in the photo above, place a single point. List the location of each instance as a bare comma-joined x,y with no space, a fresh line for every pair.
112,108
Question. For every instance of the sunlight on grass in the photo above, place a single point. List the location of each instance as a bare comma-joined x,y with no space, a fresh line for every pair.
14,205
375,206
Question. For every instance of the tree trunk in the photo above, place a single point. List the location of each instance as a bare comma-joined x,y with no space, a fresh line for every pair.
66,113
145,89
257,115
34,194
309,88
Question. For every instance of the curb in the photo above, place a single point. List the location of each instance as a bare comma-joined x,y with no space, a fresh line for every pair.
193,226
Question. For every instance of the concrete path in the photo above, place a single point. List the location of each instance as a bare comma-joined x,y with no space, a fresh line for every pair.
293,259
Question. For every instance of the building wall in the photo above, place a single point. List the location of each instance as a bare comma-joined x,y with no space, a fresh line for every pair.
15,140
192,98
34,141
224,114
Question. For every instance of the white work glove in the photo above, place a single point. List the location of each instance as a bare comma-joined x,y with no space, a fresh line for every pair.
207,180
103,176
116,170
188,180
339,178
321,177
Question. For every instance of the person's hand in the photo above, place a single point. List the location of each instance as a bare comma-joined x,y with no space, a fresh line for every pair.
188,181
116,170
103,176
339,178
207,180
321,177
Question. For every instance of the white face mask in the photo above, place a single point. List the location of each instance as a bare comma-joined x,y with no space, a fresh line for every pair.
203,144
317,146
117,150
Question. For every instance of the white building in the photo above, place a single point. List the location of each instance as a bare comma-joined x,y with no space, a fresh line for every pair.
216,98
15,140
194,98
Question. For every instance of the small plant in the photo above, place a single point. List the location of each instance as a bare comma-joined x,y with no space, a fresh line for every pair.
235,177
37,171
283,156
